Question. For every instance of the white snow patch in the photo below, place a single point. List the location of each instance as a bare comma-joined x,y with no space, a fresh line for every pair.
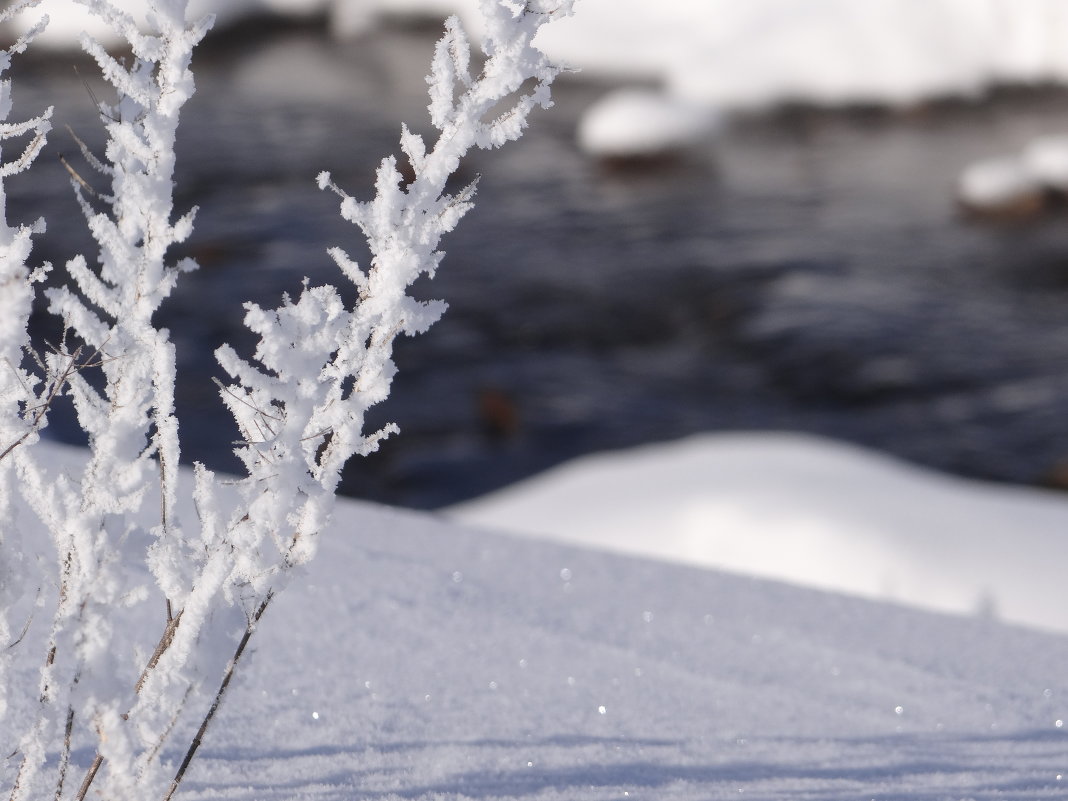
997,183
808,511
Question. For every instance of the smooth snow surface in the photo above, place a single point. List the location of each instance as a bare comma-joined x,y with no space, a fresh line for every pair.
729,53
420,660
808,511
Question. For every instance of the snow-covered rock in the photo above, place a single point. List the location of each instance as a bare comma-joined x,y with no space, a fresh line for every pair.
1001,185
1046,160
637,123
1017,185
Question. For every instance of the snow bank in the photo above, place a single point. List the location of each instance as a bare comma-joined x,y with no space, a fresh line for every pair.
808,511
760,52
724,54
729,53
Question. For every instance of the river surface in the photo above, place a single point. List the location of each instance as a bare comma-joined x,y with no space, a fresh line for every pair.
807,270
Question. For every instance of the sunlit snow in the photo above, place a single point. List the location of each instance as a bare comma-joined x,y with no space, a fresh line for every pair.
559,673
809,511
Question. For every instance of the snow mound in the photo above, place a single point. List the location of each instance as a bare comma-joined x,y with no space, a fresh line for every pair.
634,123
809,511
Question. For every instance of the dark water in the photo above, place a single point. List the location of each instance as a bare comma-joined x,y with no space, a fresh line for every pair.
807,271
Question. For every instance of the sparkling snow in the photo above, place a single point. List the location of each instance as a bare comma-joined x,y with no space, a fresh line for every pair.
564,673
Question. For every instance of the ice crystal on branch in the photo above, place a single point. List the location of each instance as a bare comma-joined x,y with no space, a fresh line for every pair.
321,366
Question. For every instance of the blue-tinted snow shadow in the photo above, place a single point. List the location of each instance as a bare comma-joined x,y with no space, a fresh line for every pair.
901,766
557,741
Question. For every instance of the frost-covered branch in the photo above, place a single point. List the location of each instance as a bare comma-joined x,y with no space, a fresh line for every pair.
19,395
128,414
320,366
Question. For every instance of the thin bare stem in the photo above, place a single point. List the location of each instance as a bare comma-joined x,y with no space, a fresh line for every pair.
78,179
54,390
25,628
89,776
164,643
217,702
64,760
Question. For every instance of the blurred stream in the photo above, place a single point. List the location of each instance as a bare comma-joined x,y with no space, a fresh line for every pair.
808,271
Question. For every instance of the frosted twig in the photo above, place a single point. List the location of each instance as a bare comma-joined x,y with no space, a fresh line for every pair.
55,388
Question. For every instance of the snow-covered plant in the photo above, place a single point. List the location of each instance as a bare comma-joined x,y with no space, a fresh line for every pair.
130,422
322,365
21,401
300,403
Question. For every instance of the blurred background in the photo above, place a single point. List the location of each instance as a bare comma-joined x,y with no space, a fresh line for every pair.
832,217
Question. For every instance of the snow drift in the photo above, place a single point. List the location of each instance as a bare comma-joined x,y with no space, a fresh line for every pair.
422,660
809,511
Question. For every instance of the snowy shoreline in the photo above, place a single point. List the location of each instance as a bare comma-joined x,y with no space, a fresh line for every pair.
730,55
